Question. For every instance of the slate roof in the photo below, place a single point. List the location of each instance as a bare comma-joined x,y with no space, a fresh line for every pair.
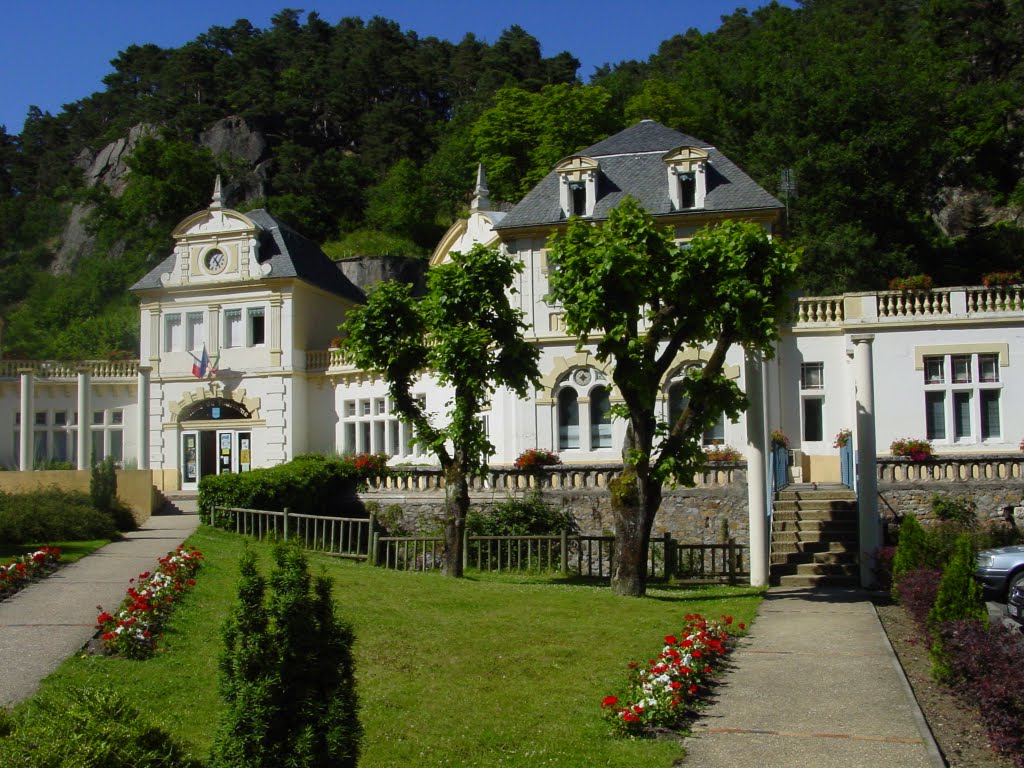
289,255
631,164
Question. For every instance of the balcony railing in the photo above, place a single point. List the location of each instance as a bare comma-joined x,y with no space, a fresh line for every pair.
68,369
950,469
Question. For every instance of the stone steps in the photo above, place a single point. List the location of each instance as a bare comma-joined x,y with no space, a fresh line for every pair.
814,537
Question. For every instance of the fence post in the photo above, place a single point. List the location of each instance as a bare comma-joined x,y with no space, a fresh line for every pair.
465,547
565,552
369,536
286,523
731,554
371,556
670,558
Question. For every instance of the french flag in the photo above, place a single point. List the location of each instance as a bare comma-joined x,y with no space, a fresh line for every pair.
199,366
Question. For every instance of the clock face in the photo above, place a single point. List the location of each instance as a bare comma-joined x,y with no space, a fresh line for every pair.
215,261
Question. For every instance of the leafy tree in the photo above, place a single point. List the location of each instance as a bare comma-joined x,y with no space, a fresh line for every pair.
287,673
524,134
466,332
643,298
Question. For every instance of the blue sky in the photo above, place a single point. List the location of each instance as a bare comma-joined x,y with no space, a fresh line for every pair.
53,52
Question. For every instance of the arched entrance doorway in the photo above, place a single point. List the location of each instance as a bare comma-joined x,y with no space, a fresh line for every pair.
214,439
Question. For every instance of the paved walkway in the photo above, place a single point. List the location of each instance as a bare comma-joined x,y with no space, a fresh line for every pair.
46,622
816,683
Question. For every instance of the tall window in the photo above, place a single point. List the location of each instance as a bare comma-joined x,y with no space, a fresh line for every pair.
172,333
256,333
962,397
578,197
812,401
194,335
687,190
568,419
600,419
677,402
232,328
370,426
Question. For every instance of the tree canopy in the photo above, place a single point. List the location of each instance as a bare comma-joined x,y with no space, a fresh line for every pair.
466,333
642,299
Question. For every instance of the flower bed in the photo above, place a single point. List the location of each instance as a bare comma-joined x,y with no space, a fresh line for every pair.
132,631
22,570
672,686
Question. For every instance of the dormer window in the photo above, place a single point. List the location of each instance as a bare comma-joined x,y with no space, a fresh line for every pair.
577,185
578,198
687,177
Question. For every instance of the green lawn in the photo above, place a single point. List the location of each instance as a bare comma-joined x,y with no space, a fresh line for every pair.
475,672
70,551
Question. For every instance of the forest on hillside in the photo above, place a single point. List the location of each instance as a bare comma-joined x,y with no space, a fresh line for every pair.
901,123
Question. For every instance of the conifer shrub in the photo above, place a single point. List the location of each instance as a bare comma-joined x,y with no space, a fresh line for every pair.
86,728
286,672
958,599
911,550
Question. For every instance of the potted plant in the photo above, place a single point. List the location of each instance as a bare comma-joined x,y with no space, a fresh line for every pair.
779,439
843,437
534,458
920,282
912,448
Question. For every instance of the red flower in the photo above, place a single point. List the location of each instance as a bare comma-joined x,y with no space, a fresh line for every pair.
670,640
609,701
693,689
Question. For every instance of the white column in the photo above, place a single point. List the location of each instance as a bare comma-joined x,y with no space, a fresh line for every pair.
28,421
757,486
867,474
142,427
84,418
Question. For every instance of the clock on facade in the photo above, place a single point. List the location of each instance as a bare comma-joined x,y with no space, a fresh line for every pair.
215,260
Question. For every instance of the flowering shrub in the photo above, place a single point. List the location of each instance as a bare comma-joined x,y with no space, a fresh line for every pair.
842,438
722,453
669,687
916,591
535,458
920,282
21,570
1001,278
916,450
133,629
779,439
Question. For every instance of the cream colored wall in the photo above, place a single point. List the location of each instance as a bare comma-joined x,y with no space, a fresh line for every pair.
134,487
821,469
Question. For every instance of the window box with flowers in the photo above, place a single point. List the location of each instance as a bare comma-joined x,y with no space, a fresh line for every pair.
779,439
533,459
722,453
912,448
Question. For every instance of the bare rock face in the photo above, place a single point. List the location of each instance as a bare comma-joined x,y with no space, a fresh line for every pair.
959,210
107,167
240,140
367,271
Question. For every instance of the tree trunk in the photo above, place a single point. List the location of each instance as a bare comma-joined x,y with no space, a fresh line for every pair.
634,518
455,508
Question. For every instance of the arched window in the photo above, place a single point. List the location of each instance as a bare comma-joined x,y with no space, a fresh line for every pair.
677,402
600,419
568,419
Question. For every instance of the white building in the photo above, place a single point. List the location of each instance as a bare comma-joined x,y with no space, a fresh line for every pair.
264,303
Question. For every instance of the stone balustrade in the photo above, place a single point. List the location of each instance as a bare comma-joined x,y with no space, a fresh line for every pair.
561,477
56,370
907,306
952,468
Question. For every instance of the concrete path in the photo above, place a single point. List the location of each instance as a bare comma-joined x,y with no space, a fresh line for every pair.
816,683
46,622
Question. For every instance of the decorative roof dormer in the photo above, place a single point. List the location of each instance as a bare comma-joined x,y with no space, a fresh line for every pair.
687,177
217,244
577,185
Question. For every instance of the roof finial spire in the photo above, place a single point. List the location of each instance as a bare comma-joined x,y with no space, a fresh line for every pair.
218,198
481,199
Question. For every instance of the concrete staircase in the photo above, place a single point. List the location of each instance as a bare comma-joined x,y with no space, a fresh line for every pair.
814,537
179,503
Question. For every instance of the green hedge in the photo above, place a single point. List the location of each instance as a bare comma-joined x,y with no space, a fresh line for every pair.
53,515
312,484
